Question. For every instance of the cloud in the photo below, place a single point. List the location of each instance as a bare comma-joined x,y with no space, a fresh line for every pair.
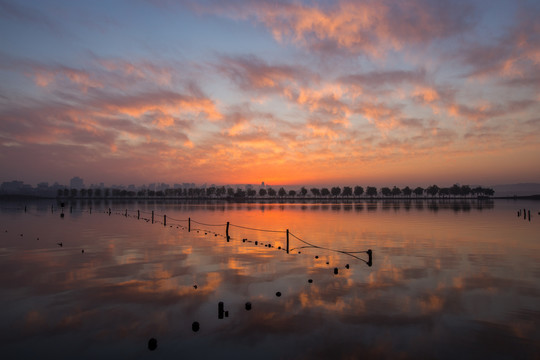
352,27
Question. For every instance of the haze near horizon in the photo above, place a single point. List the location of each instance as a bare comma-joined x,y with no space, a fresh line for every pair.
292,92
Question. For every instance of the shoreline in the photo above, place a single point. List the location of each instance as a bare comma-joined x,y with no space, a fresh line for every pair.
257,199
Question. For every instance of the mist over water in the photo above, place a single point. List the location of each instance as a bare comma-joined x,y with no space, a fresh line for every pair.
448,279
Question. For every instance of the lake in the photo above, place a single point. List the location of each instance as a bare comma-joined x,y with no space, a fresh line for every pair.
445,279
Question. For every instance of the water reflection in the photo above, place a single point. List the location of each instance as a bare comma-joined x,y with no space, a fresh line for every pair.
445,283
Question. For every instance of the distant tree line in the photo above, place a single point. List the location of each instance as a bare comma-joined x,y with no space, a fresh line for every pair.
347,192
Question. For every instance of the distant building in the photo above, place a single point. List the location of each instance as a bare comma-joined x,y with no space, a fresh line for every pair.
76,183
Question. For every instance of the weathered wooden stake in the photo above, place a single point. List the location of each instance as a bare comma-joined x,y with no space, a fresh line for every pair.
189,225
287,241
52,209
109,211
227,232
90,210
164,220
529,213
152,216
24,208
138,214
126,212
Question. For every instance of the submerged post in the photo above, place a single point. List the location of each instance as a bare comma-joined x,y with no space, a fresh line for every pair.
24,208
52,208
126,212
164,220
109,211
227,232
287,241
138,214
152,216
189,224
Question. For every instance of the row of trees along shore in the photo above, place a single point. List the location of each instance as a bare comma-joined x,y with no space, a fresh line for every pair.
347,192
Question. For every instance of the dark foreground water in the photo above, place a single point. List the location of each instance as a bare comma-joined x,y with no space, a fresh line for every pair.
454,279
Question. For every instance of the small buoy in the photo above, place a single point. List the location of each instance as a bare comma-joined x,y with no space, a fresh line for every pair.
215,234
244,240
82,251
37,239
310,281
278,294
152,344
195,326
299,252
195,286
347,266
316,256
248,306
59,244
335,271
327,263
256,242
279,247
21,234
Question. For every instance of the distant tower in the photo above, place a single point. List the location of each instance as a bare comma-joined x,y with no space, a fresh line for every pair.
262,184
76,183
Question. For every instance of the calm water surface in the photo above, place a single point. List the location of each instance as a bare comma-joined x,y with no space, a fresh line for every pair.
454,279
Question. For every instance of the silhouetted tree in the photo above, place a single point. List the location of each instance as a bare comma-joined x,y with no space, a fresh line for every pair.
419,191
230,192
407,191
107,192
262,192
271,192
325,192
282,192
66,192
292,193
385,191
347,191
455,190
303,191
90,192
371,191
358,191
432,190
97,192
59,192
444,192
396,191
465,190
220,191
251,193
240,193
210,191
73,192
316,192
336,191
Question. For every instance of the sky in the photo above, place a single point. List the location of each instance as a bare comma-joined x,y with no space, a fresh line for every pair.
380,92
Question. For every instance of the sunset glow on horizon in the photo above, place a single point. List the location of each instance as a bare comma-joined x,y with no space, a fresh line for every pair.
290,93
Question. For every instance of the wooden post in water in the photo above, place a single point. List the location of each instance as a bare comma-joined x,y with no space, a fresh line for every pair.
529,213
126,212
227,232
52,209
138,214
189,224
152,216
90,210
109,211
287,241
164,220
24,208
